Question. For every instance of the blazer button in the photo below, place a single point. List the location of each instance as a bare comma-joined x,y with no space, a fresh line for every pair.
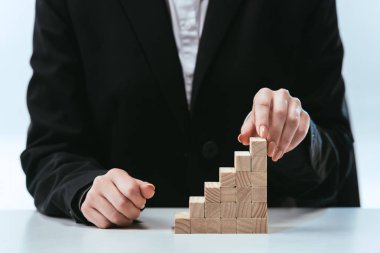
210,150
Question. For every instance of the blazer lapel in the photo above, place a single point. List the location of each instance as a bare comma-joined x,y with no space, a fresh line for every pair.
219,15
151,22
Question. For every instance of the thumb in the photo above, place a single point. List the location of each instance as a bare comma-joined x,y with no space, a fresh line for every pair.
146,189
247,129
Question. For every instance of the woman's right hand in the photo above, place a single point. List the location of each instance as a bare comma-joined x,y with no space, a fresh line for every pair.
116,199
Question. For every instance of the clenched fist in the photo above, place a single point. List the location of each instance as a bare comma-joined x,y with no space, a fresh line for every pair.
277,117
116,199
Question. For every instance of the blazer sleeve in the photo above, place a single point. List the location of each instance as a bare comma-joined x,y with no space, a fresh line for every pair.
57,160
316,170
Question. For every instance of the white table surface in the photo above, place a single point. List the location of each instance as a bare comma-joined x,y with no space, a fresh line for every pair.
290,230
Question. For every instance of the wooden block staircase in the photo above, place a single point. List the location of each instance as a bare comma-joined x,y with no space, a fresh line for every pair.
237,204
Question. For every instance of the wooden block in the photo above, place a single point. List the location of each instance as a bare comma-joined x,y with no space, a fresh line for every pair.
182,223
260,225
228,226
259,194
242,161
259,210
228,210
212,192
244,210
244,225
212,210
244,194
257,146
228,194
213,225
259,179
197,207
227,176
243,178
259,163
198,225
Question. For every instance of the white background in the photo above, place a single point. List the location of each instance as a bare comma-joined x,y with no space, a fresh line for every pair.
360,30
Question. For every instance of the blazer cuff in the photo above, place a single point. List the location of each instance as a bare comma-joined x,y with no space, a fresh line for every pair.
80,195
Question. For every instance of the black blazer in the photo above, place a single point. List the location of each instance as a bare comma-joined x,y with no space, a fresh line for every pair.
107,91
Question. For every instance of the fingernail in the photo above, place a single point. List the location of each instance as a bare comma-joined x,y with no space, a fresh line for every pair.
277,156
239,138
154,188
271,148
263,131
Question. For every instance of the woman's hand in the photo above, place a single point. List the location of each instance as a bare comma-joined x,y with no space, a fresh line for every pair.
277,117
116,199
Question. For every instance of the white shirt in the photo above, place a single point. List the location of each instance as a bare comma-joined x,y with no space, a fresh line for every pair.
187,20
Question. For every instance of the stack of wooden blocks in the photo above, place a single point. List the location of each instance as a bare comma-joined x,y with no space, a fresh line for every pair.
235,204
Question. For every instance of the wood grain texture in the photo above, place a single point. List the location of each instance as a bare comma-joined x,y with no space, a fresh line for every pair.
260,225
258,146
259,163
182,223
259,194
244,225
259,210
227,177
197,207
198,225
244,210
228,226
212,210
242,161
228,210
212,192
243,178
243,194
213,225
228,194
259,179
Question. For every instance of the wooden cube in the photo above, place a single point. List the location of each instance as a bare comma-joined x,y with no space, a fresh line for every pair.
227,176
228,194
243,178
259,194
259,179
259,210
244,210
182,223
198,225
212,192
197,207
245,225
259,163
228,226
228,210
244,194
213,225
260,225
258,146
242,161
212,210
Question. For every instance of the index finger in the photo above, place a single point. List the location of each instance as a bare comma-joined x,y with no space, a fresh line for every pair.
261,107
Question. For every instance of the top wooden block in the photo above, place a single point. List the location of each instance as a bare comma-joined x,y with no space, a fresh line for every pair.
242,161
257,146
